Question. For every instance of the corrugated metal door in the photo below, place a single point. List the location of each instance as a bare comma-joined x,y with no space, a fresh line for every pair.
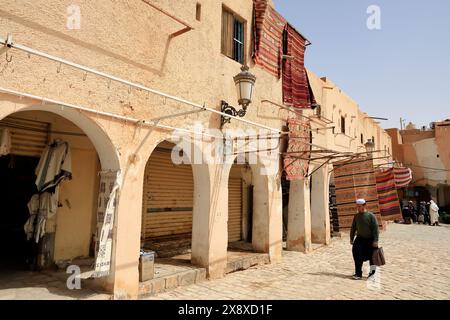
168,197
235,206
28,137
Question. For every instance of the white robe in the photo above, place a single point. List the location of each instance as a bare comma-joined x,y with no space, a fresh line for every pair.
41,207
55,164
434,213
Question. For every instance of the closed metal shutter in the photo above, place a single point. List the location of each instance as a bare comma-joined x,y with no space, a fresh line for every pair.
168,197
235,205
28,137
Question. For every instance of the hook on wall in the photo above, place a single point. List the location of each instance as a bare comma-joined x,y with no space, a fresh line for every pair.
8,59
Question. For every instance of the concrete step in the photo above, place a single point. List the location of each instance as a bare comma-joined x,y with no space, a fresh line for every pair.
246,262
172,281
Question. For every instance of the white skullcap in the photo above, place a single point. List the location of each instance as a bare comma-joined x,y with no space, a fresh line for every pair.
360,201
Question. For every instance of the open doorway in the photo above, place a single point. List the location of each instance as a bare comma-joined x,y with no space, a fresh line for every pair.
240,253
67,235
167,221
16,188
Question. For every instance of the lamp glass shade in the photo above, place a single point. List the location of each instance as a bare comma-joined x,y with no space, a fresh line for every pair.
244,91
370,147
245,81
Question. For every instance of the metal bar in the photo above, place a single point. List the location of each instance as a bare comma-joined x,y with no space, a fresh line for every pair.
316,169
376,118
322,118
378,158
167,14
327,128
289,109
177,115
9,43
179,33
103,113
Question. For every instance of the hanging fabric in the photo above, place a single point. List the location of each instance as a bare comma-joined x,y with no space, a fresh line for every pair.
298,147
5,142
42,207
387,195
403,177
55,165
268,26
106,211
297,91
355,179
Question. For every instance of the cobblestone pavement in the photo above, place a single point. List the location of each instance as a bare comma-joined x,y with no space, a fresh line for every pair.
24,285
418,267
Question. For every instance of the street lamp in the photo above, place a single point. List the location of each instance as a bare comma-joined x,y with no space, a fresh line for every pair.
370,147
244,81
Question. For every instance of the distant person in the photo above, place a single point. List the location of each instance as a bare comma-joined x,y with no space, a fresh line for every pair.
424,211
412,211
365,227
434,213
421,213
406,214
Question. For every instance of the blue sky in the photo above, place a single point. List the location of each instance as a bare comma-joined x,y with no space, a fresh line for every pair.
402,70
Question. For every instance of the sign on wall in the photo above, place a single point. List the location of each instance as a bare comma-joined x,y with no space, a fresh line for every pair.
106,210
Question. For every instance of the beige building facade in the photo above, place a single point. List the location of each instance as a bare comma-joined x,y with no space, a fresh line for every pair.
427,153
173,52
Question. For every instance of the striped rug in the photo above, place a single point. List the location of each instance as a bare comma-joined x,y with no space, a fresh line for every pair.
387,195
268,28
296,88
353,180
402,176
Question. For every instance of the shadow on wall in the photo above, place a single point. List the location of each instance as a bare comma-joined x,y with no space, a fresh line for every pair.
87,45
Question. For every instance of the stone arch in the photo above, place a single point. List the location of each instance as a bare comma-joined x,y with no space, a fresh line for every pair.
101,141
267,205
107,153
193,155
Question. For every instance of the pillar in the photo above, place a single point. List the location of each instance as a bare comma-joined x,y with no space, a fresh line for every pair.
210,213
124,278
299,217
320,210
267,231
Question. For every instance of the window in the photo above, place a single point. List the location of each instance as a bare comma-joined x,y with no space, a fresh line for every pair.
373,139
319,111
362,139
233,36
198,12
343,125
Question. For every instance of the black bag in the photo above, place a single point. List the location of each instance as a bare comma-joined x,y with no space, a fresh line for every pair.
378,257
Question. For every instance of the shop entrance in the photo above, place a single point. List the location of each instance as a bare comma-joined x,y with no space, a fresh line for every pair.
16,188
67,235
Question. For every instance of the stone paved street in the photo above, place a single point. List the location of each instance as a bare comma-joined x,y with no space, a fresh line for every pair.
418,267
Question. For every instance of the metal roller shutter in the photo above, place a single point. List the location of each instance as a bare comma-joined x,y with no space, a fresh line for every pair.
168,197
28,137
235,206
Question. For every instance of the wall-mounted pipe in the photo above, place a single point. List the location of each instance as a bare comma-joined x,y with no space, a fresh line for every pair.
11,44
